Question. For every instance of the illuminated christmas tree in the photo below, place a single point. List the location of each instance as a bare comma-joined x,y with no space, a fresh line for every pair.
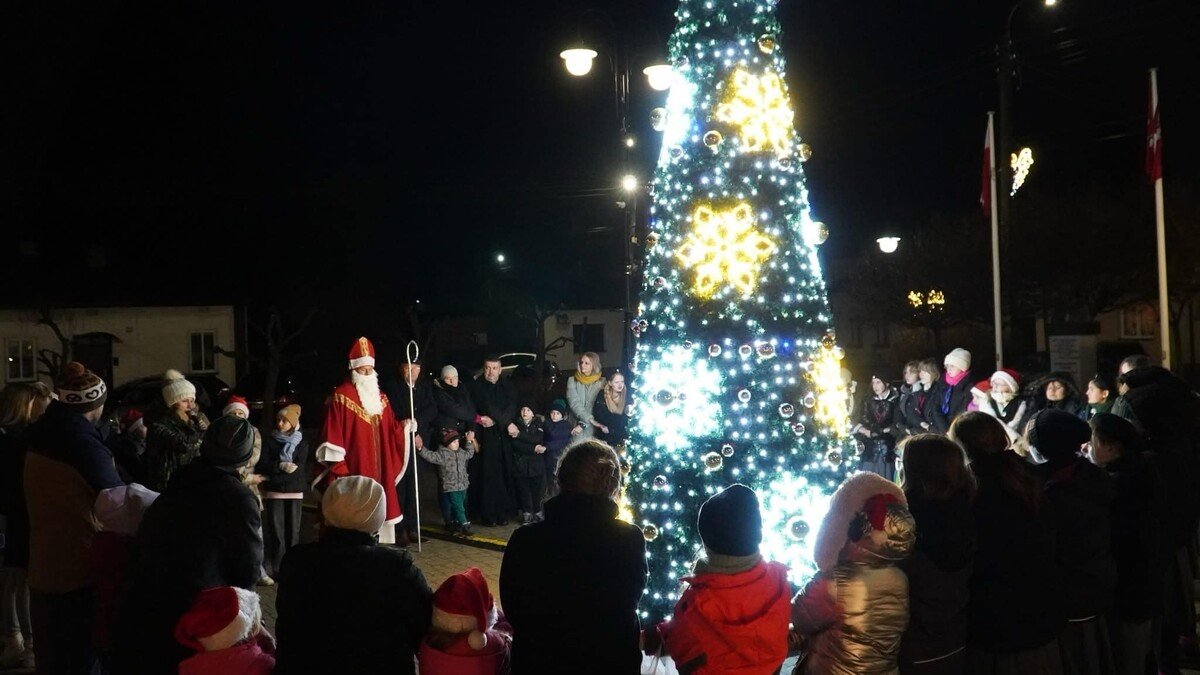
738,378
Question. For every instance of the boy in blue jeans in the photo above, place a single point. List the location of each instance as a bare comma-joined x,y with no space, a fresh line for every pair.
451,459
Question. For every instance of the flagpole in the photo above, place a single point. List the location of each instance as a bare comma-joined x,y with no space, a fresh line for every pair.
996,315
1164,300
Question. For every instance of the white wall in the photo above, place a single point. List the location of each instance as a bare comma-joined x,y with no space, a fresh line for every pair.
153,339
613,321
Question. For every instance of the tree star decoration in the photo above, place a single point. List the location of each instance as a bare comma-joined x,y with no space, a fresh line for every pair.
759,107
724,248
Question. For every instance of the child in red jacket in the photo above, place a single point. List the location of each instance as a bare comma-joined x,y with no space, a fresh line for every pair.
467,634
734,612
224,626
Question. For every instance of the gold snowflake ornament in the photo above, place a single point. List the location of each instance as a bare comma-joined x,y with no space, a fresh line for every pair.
758,106
724,249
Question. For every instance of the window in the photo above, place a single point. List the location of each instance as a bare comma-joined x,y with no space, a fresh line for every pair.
204,359
589,337
21,361
881,334
1139,322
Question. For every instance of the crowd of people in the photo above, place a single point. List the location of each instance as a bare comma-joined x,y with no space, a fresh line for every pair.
995,530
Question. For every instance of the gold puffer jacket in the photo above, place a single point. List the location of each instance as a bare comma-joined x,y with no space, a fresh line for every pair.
856,614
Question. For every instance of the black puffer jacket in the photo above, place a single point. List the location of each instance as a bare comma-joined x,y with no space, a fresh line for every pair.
278,480
349,605
170,444
939,577
455,409
924,406
204,531
527,462
1080,496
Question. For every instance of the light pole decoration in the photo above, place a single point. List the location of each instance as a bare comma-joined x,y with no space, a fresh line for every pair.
737,372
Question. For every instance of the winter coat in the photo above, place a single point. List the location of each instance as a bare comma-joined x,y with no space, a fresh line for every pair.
616,422
497,400
856,614
455,409
460,658
923,406
1137,543
877,414
277,480
1016,601
423,404
570,587
1011,414
939,577
1036,400
527,462
203,531
451,464
904,402
130,456
344,575
66,466
170,444
1079,496
956,401
581,399
109,560
13,445
557,438
247,658
731,623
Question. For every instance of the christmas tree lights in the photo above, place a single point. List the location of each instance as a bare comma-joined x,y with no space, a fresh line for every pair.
737,373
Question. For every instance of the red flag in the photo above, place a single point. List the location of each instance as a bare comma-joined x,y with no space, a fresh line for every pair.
985,189
1153,136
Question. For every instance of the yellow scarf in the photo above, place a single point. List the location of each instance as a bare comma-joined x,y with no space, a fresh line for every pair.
586,379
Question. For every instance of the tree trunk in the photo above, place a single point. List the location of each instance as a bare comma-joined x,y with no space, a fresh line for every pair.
267,422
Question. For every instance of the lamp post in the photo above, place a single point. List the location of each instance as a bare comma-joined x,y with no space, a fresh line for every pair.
888,244
659,77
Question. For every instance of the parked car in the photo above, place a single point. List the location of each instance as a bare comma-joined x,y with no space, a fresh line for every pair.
211,392
290,387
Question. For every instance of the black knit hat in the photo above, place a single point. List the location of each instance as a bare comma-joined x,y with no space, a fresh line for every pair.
730,522
1058,435
229,441
1117,428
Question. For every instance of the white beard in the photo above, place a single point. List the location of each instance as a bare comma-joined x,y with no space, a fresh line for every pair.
368,392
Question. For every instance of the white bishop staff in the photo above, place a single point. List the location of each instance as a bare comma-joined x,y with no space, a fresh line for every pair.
412,352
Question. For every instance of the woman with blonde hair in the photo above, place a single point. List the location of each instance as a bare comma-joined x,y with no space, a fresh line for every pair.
582,390
608,413
20,405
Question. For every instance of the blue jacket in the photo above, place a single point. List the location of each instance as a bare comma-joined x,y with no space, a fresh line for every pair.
558,435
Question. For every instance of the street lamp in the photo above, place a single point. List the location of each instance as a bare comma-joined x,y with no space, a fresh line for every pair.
578,61
888,244
500,258
629,182
660,76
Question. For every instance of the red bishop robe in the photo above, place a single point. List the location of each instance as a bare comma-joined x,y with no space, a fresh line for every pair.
356,443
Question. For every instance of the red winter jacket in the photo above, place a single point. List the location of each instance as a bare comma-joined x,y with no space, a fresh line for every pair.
737,622
247,658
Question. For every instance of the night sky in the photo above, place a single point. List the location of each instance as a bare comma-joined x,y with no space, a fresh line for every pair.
234,151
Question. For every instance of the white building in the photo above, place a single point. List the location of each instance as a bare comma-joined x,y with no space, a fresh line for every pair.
586,330
124,343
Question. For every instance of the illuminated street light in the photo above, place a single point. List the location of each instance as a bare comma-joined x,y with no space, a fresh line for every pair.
500,258
629,183
578,61
888,244
660,76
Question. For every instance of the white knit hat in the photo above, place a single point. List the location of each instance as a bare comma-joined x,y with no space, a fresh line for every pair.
449,371
176,388
960,358
355,503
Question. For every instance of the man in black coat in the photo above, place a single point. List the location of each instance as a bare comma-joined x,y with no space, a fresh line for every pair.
491,493
570,585
203,532
415,403
345,603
